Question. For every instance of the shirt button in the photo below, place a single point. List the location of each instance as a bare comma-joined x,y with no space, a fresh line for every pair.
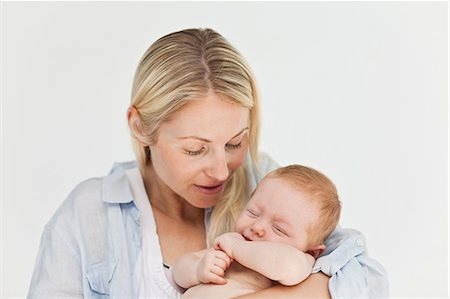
360,242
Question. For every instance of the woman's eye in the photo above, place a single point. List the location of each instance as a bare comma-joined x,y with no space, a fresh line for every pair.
234,146
195,153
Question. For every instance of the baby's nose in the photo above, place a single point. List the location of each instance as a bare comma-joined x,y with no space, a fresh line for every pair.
258,230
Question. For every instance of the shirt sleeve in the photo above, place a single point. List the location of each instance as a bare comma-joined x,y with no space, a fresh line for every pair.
352,273
57,273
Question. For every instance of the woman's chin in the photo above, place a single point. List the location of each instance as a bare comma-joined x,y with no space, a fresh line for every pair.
203,202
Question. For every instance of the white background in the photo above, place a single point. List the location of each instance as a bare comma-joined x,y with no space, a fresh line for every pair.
358,90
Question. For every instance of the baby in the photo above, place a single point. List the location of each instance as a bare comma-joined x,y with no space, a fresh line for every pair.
277,238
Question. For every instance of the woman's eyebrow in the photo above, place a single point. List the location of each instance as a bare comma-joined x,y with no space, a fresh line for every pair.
206,140
242,131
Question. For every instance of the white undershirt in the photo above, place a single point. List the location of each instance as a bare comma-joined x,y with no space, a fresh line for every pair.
151,278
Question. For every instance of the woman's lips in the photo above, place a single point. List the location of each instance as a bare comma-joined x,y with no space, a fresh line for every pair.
210,190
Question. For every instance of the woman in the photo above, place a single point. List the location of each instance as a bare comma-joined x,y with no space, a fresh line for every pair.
194,120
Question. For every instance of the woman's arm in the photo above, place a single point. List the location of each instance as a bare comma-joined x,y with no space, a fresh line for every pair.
352,272
315,286
57,272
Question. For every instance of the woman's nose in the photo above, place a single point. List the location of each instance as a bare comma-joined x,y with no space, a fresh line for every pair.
218,167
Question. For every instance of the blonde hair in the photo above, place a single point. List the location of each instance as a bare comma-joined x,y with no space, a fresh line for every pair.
319,188
184,66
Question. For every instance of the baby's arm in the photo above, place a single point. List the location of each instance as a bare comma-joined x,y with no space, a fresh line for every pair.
280,262
206,266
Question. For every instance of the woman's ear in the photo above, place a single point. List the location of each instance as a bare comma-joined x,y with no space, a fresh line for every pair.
316,251
135,125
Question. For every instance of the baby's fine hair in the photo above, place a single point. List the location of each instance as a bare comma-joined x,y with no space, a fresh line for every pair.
318,187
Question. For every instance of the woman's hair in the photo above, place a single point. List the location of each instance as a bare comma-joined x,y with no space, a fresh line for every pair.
319,188
184,66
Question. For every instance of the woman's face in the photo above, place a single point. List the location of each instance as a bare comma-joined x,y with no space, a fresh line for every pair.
198,149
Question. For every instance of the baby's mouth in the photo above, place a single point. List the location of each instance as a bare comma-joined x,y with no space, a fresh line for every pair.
247,239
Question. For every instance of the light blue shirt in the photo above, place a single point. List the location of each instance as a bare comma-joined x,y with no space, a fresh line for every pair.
90,246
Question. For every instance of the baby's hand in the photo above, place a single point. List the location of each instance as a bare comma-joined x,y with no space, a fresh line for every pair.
211,268
227,241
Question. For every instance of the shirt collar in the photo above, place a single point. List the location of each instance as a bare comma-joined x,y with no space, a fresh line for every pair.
116,187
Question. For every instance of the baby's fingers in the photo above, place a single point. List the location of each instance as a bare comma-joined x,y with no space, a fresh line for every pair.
217,278
213,275
222,259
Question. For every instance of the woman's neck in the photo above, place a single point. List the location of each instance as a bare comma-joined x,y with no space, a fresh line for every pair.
165,201
180,226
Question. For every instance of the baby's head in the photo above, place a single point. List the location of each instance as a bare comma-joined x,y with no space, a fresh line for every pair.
295,205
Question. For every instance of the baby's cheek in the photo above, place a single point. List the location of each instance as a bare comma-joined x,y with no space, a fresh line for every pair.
240,225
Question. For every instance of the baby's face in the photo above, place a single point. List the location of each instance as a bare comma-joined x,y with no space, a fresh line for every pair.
278,212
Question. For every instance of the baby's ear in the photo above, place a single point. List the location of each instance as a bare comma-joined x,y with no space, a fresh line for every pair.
135,125
316,251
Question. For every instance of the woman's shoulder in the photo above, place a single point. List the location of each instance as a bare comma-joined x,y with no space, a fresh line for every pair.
89,200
